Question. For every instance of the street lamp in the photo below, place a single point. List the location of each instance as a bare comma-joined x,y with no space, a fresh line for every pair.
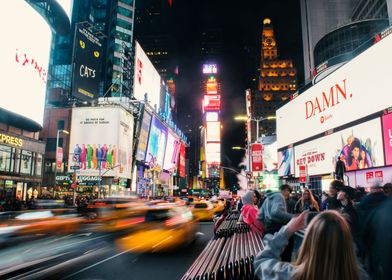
257,120
57,146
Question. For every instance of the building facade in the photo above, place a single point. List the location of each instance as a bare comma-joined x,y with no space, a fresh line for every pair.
277,81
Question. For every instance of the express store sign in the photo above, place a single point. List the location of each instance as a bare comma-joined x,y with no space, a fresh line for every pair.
348,94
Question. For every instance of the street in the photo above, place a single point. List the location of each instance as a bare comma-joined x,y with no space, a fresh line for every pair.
94,256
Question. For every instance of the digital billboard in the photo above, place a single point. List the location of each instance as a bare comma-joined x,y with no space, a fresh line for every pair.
387,133
212,87
143,136
213,131
87,60
212,116
101,139
210,69
211,103
182,161
171,152
24,59
146,79
348,94
213,153
359,147
156,142
286,162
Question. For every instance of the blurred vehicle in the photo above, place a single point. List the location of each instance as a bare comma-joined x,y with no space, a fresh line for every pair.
219,205
43,222
203,210
165,228
116,214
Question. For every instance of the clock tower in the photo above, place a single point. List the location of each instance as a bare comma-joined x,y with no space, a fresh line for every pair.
268,42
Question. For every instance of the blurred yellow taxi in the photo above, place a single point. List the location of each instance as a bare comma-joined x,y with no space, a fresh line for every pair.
203,210
166,227
219,205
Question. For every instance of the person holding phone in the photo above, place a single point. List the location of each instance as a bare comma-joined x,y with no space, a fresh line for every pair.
327,251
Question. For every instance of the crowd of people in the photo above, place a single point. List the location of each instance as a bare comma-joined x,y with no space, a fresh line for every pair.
347,232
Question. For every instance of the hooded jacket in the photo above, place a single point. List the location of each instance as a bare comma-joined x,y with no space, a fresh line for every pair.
273,214
249,213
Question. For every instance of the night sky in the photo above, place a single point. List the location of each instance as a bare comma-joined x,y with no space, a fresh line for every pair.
240,23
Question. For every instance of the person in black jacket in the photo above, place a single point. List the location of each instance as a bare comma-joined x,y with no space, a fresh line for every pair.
331,202
346,196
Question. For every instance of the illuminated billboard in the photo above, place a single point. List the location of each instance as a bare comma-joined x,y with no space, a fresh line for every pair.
359,147
87,60
182,161
210,69
24,59
212,116
286,162
211,103
211,87
351,92
213,132
101,139
171,152
146,79
156,142
213,153
143,136
387,133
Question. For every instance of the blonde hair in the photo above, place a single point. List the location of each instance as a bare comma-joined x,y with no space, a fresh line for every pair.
312,201
327,251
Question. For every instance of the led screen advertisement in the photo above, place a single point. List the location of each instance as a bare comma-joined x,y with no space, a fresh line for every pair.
213,131
182,161
210,69
387,133
147,82
101,142
212,116
286,162
143,136
213,153
359,147
211,103
171,152
156,142
211,87
336,99
24,59
87,59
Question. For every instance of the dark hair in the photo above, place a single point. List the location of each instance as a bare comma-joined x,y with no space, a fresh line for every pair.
349,191
387,186
257,194
355,144
337,185
285,187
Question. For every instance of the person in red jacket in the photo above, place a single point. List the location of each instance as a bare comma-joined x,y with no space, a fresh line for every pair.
250,211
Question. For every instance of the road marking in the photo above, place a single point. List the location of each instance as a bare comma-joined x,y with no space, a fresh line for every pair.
98,263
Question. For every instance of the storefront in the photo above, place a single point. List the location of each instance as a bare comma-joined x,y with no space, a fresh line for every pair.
20,166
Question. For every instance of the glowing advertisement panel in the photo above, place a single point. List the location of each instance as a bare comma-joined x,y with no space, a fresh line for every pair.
156,142
212,116
101,139
182,161
286,162
359,147
24,59
213,153
212,87
210,69
87,60
213,131
211,103
336,100
143,136
171,152
387,133
371,177
146,79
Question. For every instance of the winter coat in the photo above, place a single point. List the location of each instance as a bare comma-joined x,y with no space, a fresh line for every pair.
273,213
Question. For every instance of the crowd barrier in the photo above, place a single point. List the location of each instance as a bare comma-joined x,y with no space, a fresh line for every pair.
229,255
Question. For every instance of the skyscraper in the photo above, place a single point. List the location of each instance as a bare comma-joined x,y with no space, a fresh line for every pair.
334,29
277,81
